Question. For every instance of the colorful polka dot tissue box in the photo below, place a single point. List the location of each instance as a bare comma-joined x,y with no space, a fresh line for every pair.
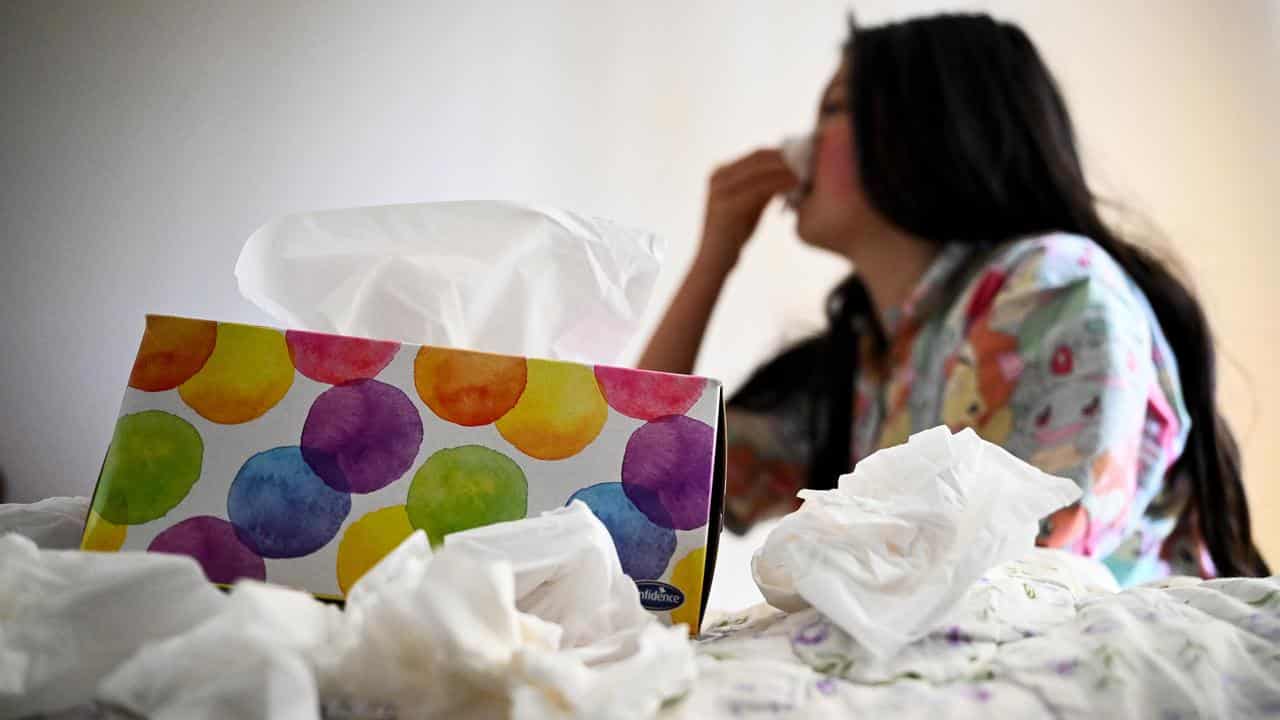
303,458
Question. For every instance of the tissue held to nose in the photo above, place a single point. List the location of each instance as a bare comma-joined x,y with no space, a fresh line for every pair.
895,546
797,152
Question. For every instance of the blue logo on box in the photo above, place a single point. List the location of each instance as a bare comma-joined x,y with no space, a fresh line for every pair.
656,595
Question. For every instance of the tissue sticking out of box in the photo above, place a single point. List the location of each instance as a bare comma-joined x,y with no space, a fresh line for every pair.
491,276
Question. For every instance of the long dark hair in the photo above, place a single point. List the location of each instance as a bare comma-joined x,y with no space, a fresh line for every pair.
963,136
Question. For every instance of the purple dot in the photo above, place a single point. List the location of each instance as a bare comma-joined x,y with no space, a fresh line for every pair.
361,436
666,471
280,508
213,543
644,549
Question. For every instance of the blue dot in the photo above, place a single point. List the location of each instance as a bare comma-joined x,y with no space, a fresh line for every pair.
643,548
280,508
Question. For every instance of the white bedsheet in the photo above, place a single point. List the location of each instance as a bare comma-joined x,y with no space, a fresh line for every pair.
1047,636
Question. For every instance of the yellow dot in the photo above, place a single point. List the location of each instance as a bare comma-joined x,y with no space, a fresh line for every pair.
561,411
102,535
687,576
247,374
368,540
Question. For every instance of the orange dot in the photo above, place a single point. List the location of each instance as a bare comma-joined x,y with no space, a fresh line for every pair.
248,373
173,349
468,388
560,412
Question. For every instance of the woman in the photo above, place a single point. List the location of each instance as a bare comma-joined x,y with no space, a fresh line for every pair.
988,293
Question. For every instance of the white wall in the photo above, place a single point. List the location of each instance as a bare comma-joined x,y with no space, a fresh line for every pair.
143,141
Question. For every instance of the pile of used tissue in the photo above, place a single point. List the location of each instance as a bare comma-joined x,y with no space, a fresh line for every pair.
912,590
530,619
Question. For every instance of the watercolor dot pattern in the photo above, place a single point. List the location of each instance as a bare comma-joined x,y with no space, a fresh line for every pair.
368,540
281,508
247,374
468,388
290,454
666,471
334,359
172,350
465,487
361,436
154,460
687,575
650,395
560,412
644,549
214,545
102,535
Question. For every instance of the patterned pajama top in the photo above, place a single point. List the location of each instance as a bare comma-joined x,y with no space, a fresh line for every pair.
1049,350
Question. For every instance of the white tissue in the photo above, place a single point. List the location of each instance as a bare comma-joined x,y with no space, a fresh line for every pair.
488,276
68,618
431,635
249,661
893,549
567,572
54,523
797,152
540,623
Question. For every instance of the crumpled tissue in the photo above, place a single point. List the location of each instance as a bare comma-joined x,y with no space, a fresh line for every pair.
548,557
252,660
490,276
893,549
517,632
497,623
68,618
55,523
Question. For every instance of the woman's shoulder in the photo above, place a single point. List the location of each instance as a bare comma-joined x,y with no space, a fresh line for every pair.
1055,260
1047,280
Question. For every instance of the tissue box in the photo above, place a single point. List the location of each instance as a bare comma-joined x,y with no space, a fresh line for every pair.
303,458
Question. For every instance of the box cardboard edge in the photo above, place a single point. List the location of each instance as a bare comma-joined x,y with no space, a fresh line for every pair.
715,519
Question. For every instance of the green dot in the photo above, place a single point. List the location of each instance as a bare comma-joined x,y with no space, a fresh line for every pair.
153,461
465,487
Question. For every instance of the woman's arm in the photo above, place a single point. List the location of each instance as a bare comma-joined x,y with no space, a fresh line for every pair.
736,198
674,345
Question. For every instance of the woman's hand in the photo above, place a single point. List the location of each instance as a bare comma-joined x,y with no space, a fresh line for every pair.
738,195
736,199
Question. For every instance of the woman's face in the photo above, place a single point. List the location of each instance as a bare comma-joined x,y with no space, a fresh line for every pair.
834,214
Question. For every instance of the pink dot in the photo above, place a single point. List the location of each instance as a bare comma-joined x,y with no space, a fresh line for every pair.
648,395
334,359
